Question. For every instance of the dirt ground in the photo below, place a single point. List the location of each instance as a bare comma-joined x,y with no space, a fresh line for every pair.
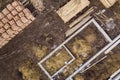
57,61
105,68
47,22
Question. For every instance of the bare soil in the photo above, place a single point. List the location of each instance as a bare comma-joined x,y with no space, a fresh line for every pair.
14,53
48,22
105,68
93,38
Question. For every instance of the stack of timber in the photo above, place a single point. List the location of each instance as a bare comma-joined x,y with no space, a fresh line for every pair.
108,3
71,9
80,21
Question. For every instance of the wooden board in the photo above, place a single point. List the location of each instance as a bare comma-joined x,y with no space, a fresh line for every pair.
72,8
108,3
88,12
76,27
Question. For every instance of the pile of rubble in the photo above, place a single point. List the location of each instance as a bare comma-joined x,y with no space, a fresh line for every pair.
13,19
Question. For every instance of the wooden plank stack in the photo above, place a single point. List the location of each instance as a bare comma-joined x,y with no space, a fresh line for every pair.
71,9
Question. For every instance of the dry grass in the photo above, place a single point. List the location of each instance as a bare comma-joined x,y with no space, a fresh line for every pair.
104,69
29,71
39,51
71,67
81,47
55,62
78,77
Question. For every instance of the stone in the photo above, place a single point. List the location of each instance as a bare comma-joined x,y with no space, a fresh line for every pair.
9,16
10,7
5,11
2,15
14,12
7,26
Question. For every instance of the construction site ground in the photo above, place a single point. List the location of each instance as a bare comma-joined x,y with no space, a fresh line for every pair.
47,30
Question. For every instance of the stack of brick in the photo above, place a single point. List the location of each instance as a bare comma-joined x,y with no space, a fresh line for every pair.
13,19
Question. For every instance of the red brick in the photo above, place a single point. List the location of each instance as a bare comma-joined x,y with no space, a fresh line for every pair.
32,17
5,42
16,32
24,19
5,35
2,15
16,18
5,20
12,36
19,8
9,16
1,39
15,3
14,27
20,3
2,30
21,14
28,22
1,24
19,23
19,30
7,26
26,11
5,11
10,7
23,26
28,15
10,32
14,12
11,22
